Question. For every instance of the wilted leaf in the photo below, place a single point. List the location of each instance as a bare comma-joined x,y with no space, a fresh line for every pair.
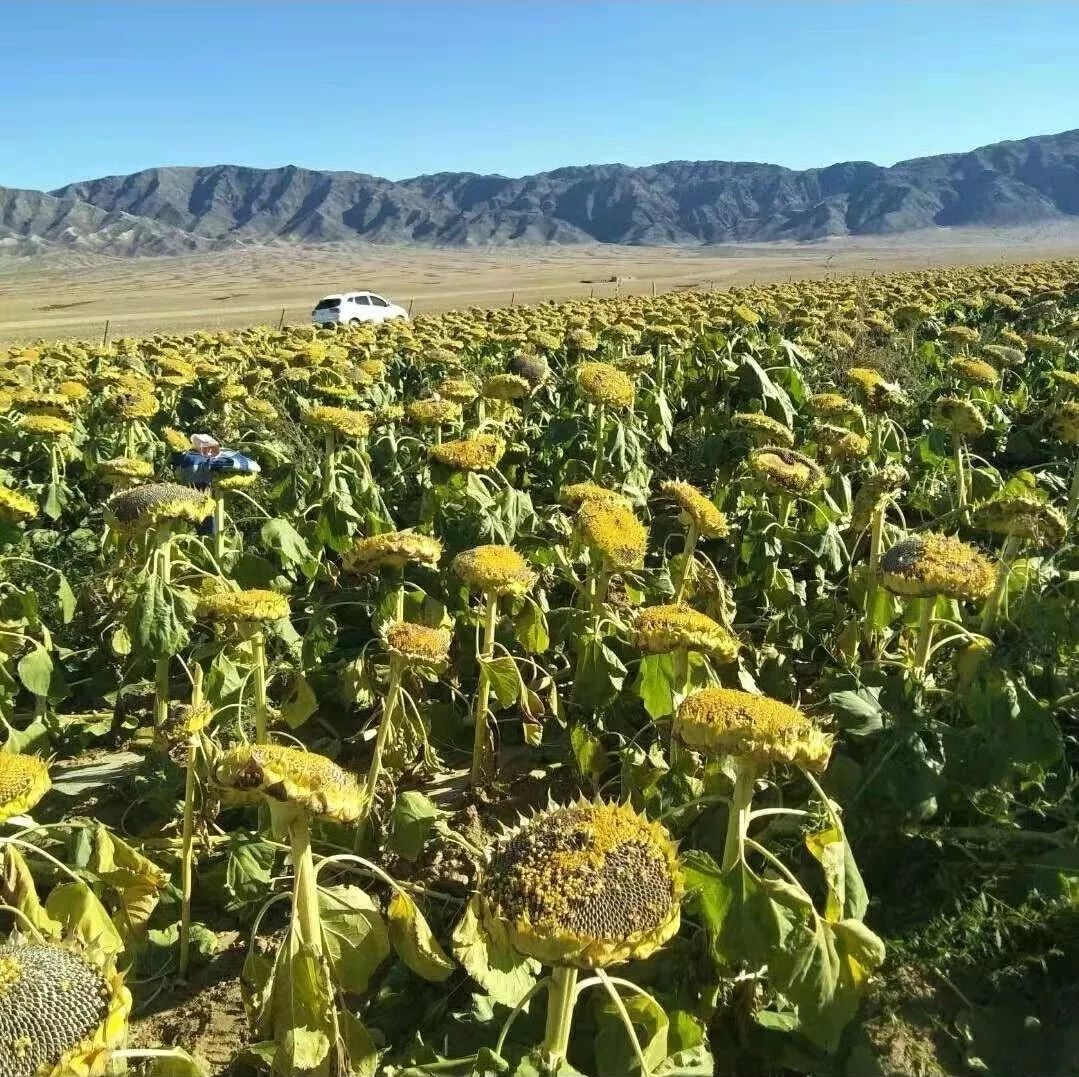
491,961
416,946
414,818
353,934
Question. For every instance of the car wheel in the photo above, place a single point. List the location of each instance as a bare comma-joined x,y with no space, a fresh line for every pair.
354,321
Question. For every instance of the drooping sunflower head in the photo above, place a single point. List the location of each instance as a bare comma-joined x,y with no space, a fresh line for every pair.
24,780
930,564
157,502
1064,422
292,776
506,387
586,885
697,510
877,395
479,453
457,390
255,605
834,408
61,1013
345,423
840,444
576,494
182,722
433,412
1024,517
727,721
121,470
762,429
417,644
601,383
175,439
958,416
613,532
15,507
785,471
45,427
533,368
975,371
498,570
661,629
1068,380
393,549
875,489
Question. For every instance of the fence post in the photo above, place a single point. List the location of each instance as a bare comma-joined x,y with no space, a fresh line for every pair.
513,296
653,289
281,320
410,302
105,336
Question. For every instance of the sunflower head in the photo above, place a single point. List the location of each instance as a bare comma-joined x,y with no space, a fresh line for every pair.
479,453
121,470
393,549
45,427
785,471
346,424
24,780
506,387
417,644
533,368
1034,521
840,444
975,371
158,502
15,507
958,416
433,412
457,390
661,629
601,383
834,408
1064,422
183,721
697,510
727,721
576,494
1068,380
498,570
762,429
877,487
291,776
612,531
253,606
876,393
586,885
929,564
60,1012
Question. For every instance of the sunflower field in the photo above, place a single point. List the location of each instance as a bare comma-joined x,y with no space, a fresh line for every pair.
671,685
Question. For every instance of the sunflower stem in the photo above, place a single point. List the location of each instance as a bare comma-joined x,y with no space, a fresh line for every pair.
738,812
187,859
687,562
258,653
385,726
162,541
306,921
480,754
1004,570
597,462
219,526
329,465
784,514
876,540
561,999
958,451
1073,493
925,634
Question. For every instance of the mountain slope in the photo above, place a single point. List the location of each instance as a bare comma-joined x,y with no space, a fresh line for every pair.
681,202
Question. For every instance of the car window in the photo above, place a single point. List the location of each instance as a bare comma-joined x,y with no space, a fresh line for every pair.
378,301
363,300
328,302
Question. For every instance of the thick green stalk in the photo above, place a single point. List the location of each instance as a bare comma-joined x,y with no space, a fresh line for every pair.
925,633
306,920
785,506
876,540
561,999
687,563
187,858
958,453
163,567
481,762
385,726
329,465
1073,494
1004,569
597,462
219,526
738,810
258,653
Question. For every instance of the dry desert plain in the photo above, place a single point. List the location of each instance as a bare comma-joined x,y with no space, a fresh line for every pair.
73,295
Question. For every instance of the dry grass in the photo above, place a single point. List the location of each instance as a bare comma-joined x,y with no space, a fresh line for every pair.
71,295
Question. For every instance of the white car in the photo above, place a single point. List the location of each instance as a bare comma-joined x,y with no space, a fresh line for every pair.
351,308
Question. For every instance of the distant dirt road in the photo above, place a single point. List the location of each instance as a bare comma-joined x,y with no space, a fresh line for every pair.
72,295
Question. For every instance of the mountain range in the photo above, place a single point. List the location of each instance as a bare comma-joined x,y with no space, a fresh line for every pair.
175,210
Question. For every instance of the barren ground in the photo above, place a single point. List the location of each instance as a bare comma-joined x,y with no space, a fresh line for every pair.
72,295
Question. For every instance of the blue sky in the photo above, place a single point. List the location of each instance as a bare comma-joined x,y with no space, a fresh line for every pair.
403,88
